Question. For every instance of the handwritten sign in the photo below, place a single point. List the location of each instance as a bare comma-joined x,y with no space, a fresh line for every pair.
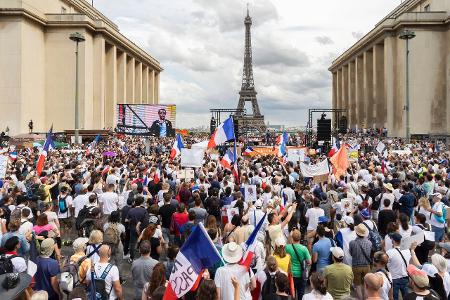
408,241
250,193
3,165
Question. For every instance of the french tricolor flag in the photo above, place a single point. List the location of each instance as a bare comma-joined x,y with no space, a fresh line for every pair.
44,152
223,133
197,254
280,148
248,151
228,159
13,155
176,148
250,245
335,148
92,145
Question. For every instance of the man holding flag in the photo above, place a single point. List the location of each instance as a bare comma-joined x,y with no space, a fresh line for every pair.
43,155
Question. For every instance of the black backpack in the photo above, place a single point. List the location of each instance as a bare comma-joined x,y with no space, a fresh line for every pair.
83,214
6,265
100,284
269,288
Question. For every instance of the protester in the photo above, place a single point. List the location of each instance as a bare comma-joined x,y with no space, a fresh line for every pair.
360,249
142,269
319,290
47,271
338,276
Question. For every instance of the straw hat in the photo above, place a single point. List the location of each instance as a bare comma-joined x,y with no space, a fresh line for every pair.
232,252
388,186
361,230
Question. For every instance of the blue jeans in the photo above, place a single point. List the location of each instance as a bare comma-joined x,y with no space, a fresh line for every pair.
400,285
438,233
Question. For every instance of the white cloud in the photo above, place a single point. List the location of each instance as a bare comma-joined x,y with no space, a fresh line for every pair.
200,44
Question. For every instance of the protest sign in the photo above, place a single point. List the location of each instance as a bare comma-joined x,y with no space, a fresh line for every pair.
347,204
192,157
185,174
296,155
231,212
380,147
408,241
3,165
314,170
250,193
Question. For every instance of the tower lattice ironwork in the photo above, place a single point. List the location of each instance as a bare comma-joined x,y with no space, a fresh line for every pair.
254,121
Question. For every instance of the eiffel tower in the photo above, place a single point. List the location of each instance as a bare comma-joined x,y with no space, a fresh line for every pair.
250,122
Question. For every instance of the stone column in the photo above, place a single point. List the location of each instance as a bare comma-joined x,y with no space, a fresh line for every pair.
345,101
352,94
121,77
359,95
368,87
151,86
130,79
156,87
99,82
334,92
111,85
145,84
394,78
138,83
339,88
379,93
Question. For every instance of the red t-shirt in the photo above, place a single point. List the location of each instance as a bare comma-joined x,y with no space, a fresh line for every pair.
179,219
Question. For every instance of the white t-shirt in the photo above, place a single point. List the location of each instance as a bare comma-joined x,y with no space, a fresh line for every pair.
223,281
79,202
289,194
439,206
110,201
113,275
384,290
19,264
69,203
51,217
396,265
314,295
25,226
313,215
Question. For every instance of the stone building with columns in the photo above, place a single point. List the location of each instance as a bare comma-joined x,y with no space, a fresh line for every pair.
37,67
369,79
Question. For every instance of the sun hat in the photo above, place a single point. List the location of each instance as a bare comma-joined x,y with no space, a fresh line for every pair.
79,242
47,247
388,186
349,220
419,277
12,284
361,230
439,262
232,252
365,213
323,219
337,252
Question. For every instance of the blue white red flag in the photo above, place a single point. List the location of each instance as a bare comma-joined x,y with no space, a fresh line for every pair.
250,245
335,148
92,145
197,254
176,148
228,159
13,155
248,151
280,146
223,133
44,152
235,170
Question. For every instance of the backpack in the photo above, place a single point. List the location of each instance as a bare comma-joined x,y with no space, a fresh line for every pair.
34,248
442,218
365,201
6,265
82,215
269,288
62,205
69,275
100,284
374,237
111,235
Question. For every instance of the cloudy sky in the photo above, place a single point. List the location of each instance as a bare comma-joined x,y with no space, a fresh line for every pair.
200,44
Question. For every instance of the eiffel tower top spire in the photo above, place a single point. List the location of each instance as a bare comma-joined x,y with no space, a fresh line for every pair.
247,76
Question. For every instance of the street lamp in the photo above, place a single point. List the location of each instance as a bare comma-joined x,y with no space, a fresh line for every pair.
407,35
77,38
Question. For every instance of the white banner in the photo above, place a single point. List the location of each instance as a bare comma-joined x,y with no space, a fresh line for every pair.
3,165
380,147
296,155
315,170
202,145
192,157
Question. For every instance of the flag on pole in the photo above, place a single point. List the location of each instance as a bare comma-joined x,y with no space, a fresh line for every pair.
44,152
335,148
228,159
250,245
13,155
280,146
176,148
235,170
197,254
92,145
223,133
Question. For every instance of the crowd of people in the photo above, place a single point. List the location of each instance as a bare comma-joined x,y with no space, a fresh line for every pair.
379,231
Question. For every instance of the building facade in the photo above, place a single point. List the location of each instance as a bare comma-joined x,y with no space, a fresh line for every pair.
369,79
38,67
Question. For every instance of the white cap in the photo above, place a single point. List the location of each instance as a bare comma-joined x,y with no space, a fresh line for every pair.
337,252
349,220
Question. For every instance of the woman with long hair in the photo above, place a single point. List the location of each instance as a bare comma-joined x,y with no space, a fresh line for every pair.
405,228
157,279
318,288
387,242
148,234
94,244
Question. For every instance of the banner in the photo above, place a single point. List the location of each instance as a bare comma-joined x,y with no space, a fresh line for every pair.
296,155
3,165
315,170
192,157
185,174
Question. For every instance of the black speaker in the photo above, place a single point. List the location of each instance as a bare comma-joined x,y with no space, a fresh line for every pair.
343,125
324,129
212,125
